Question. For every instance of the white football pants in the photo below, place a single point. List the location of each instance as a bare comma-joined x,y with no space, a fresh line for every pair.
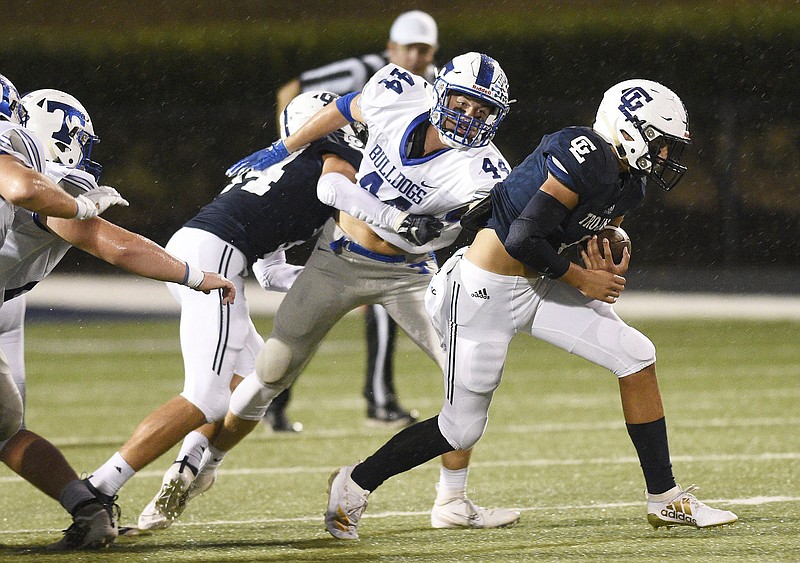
12,367
217,341
477,313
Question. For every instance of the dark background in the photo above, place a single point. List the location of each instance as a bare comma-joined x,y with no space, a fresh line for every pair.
180,90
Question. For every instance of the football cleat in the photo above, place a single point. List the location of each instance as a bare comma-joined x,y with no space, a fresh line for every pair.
204,481
390,416
94,525
457,511
678,507
170,500
346,503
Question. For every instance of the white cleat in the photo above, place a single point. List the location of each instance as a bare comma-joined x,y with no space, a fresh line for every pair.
678,507
457,511
346,503
201,483
170,500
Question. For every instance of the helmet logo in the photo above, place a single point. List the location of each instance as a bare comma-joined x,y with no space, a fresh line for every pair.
71,115
632,100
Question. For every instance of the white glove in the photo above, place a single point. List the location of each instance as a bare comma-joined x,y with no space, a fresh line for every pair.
95,201
274,274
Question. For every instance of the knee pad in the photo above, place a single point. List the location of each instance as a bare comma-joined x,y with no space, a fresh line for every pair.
11,407
464,433
638,347
273,362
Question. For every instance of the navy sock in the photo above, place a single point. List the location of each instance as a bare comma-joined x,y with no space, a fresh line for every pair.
650,441
407,449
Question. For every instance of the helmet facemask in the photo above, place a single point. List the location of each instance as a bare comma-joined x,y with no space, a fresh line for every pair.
479,78
647,125
11,108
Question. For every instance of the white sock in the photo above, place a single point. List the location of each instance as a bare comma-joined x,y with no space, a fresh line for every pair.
212,458
110,477
452,483
192,448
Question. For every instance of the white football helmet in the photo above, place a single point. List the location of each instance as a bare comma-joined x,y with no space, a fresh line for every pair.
305,105
11,108
478,76
64,127
641,118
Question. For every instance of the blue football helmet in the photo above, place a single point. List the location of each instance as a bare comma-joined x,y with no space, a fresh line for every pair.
477,76
11,108
64,127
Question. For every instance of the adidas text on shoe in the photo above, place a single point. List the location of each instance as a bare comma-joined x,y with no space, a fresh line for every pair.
678,507
170,501
346,503
93,527
460,512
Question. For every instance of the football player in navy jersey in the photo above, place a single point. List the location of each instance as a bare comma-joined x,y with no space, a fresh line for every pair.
515,277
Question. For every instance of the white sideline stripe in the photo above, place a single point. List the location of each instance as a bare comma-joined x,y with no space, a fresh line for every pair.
752,501
131,294
515,428
305,469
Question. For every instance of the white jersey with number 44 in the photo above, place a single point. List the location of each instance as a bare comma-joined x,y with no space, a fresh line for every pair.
393,103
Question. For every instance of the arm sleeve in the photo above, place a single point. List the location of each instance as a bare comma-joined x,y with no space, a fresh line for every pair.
336,190
528,234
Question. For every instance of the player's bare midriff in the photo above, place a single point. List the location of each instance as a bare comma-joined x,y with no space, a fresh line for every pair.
488,253
358,231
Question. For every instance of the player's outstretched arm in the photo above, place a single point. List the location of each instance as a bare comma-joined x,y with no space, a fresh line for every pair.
137,254
27,188
325,122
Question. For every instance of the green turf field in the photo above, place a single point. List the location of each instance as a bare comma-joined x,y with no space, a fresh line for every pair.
556,449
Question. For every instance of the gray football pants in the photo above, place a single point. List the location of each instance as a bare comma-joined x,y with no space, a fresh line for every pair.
332,284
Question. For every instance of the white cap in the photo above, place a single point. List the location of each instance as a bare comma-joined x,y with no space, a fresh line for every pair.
414,27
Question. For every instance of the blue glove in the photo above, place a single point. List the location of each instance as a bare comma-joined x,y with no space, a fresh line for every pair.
259,160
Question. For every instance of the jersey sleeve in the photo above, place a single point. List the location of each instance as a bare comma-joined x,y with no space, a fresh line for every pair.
21,144
393,88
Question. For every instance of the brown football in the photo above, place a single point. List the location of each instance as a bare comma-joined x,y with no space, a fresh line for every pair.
618,239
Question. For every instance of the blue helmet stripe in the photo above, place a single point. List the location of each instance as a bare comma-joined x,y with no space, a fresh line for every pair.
485,72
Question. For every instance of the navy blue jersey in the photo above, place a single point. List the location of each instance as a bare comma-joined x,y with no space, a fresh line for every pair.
581,160
277,208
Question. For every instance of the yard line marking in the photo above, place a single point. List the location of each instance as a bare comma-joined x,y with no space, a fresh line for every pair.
716,458
112,441
752,501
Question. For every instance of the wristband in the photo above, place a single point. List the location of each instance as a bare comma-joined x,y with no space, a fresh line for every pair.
193,277
86,208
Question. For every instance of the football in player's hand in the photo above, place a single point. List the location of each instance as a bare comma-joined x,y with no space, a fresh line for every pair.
617,238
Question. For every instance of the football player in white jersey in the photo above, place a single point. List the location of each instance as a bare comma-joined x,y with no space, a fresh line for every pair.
33,247
412,45
23,184
429,152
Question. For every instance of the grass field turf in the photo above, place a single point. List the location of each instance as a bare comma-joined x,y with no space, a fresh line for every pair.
556,449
